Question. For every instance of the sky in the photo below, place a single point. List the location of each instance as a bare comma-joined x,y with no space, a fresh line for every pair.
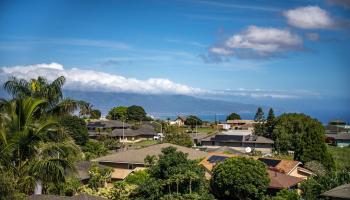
258,50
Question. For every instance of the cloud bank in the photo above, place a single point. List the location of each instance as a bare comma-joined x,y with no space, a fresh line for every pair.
309,17
90,80
257,42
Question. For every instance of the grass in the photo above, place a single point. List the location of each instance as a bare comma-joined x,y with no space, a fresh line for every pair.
341,157
144,143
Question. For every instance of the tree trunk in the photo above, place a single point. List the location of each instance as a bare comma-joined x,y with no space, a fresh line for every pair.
190,186
38,187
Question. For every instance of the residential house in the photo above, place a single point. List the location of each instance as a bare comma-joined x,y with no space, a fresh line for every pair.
339,193
282,176
223,126
340,139
180,121
238,124
239,140
126,162
97,127
288,167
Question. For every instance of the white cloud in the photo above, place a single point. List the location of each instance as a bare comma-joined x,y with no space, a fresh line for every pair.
309,17
90,80
258,42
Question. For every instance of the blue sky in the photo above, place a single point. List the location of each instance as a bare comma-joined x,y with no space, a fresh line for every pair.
257,49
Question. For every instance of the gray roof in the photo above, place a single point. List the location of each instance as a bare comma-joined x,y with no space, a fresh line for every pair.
225,149
137,156
83,167
339,136
340,192
55,197
239,139
106,124
143,130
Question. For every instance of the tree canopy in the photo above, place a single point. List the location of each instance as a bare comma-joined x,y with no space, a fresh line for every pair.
136,113
233,116
239,178
76,128
118,113
303,135
193,121
174,176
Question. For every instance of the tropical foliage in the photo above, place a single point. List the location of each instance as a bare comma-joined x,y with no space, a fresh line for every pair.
233,116
239,178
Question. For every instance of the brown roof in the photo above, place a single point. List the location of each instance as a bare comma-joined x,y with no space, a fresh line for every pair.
282,181
209,166
82,169
144,130
55,197
340,192
137,156
284,166
339,136
106,124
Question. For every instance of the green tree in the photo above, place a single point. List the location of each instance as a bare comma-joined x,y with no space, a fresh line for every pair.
259,126
85,109
99,176
259,115
303,135
35,149
95,114
40,88
287,195
136,113
93,149
173,173
193,121
76,128
239,178
176,135
270,124
137,178
118,113
313,187
233,116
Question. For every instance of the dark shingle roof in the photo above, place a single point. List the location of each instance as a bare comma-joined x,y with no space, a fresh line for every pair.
146,130
107,124
340,192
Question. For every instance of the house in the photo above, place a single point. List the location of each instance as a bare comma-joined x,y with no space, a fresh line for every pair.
336,127
180,121
223,126
239,140
97,127
126,162
145,132
241,124
56,197
339,193
340,139
278,180
288,167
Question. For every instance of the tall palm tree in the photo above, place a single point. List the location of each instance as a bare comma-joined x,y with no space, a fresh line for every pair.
85,109
42,89
33,146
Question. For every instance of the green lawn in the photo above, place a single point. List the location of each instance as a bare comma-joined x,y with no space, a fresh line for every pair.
341,156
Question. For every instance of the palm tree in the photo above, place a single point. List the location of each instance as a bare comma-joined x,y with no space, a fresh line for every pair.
85,109
42,89
33,146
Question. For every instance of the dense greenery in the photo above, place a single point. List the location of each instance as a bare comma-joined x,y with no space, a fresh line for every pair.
233,116
173,177
193,121
118,113
303,135
315,186
286,195
239,178
93,149
177,135
136,113
95,114
35,149
76,127
259,118
341,157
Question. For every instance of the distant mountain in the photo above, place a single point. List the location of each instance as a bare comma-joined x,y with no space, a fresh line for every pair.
161,104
